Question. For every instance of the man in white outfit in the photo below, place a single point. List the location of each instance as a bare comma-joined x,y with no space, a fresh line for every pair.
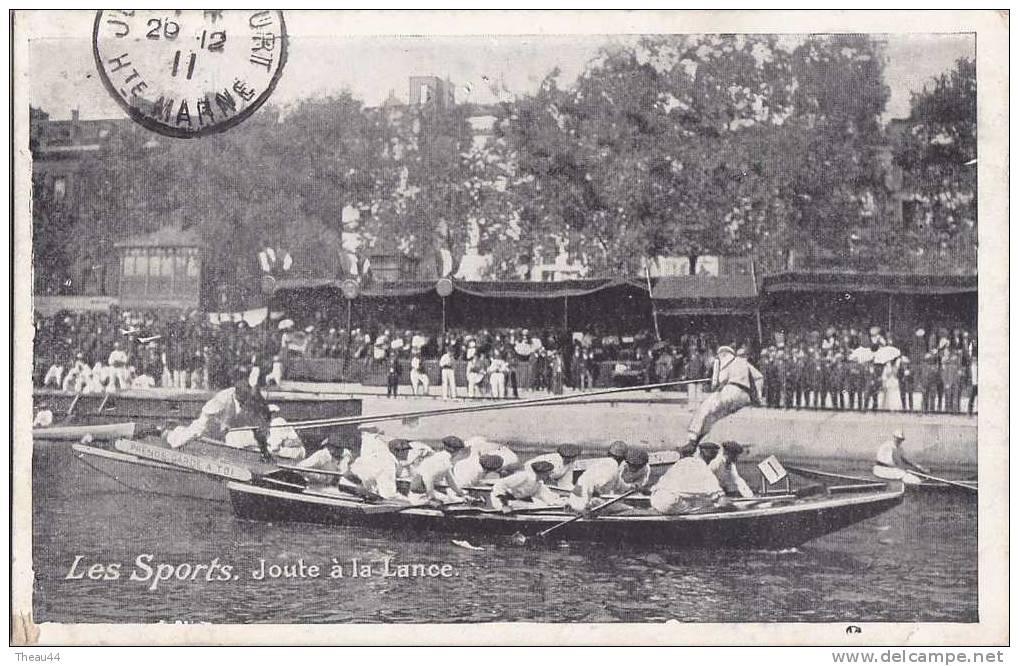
892,463
418,376
448,376
734,385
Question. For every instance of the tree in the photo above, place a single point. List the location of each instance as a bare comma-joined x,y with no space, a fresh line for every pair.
937,152
700,144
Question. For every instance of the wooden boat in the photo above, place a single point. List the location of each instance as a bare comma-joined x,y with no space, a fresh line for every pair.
925,485
158,407
198,472
97,431
772,525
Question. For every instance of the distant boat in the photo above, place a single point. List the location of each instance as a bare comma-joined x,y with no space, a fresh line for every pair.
99,432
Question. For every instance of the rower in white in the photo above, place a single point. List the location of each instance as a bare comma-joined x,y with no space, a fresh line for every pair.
437,469
688,486
893,464
734,385
526,488
563,465
375,472
625,469
476,470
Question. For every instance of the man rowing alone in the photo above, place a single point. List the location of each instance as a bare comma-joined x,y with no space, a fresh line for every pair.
734,385
893,464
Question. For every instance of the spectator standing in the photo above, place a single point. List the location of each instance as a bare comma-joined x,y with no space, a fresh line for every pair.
448,374
475,375
497,375
393,375
418,376
972,382
906,383
951,369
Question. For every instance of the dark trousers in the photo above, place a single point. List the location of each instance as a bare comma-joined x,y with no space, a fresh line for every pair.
906,396
392,382
972,399
513,383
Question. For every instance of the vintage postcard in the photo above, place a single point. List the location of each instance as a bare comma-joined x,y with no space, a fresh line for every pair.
518,327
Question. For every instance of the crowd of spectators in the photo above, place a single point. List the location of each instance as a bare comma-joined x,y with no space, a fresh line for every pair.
842,368
93,352
833,369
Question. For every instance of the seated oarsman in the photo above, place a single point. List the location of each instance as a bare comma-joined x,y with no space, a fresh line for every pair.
688,486
330,457
417,453
374,474
283,439
437,470
475,470
563,464
241,404
610,476
526,488
479,446
724,469
893,464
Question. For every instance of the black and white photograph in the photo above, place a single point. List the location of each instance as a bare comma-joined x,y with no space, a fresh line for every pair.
519,321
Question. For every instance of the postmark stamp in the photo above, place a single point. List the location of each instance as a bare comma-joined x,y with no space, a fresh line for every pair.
189,73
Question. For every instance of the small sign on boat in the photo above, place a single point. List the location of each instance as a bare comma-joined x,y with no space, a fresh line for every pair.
179,458
772,470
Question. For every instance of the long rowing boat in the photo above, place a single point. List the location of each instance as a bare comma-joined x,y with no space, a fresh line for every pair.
97,431
157,407
774,524
925,485
197,472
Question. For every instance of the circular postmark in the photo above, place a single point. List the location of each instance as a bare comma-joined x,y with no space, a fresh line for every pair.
188,73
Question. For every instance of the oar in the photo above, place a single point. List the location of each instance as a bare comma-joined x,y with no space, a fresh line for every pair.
521,539
803,471
74,403
515,404
958,484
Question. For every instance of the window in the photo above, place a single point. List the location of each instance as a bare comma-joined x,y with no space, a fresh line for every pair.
192,264
141,264
425,93
167,265
154,263
128,268
59,188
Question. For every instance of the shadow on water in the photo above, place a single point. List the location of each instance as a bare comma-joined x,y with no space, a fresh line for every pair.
914,563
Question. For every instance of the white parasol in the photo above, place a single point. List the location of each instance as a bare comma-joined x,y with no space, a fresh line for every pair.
861,355
886,354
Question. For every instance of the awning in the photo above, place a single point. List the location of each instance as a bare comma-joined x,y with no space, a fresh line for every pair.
883,283
675,287
486,289
700,307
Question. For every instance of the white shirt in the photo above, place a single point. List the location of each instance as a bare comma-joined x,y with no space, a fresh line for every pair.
522,485
562,474
600,478
415,364
118,357
729,477
689,475
446,360
377,473
434,468
469,471
886,454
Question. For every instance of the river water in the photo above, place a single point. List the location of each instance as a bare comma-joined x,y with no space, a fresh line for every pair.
917,562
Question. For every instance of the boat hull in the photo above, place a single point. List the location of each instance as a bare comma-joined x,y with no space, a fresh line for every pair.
157,407
113,471
768,528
